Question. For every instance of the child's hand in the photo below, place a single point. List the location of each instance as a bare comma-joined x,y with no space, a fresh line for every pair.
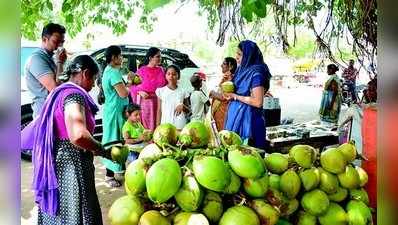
179,109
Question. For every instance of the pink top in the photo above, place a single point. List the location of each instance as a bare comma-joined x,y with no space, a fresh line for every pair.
151,78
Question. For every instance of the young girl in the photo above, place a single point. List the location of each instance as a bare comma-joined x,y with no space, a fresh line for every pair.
171,100
198,99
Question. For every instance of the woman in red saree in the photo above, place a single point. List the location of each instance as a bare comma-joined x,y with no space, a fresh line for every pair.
152,77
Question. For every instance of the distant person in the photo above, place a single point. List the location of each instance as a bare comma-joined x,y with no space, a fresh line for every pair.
331,96
245,111
116,98
44,67
198,99
219,105
64,150
354,114
152,77
171,100
350,75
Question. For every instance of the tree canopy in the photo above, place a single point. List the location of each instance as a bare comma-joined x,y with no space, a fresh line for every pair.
351,22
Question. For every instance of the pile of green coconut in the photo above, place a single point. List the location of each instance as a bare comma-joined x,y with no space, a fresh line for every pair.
186,179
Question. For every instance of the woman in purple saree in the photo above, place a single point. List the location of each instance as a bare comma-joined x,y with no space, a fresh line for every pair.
63,150
251,80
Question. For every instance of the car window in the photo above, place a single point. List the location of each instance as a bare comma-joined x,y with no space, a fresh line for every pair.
166,61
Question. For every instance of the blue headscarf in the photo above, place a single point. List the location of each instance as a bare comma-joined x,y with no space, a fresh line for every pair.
252,65
252,72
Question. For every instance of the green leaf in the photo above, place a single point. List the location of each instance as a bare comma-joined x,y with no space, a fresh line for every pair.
69,18
66,7
49,5
150,5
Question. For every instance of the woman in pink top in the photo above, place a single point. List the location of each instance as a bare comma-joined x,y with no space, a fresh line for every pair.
152,77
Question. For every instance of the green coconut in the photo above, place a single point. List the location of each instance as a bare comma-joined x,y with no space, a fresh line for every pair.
290,183
119,154
359,194
228,87
135,176
274,181
339,196
235,183
187,218
349,151
239,215
277,163
276,198
266,212
126,210
150,151
358,213
329,182
333,161
256,188
190,195
349,178
229,138
194,135
163,180
283,222
153,217
165,134
335,215
211,172
290,207
363,176
137,80
305,218
310,178
126,189
315,202
212,206
303,155
246,162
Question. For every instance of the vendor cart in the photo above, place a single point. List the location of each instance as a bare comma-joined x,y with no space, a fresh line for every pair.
315,133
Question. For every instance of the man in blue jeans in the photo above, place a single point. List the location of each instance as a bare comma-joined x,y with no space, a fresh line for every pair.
350,75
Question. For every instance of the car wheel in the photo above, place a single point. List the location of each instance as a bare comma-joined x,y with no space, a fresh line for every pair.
26,118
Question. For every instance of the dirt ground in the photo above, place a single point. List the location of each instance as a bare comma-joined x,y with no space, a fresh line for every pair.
29,209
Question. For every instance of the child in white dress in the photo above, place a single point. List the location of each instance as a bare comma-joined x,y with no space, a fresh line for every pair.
171,100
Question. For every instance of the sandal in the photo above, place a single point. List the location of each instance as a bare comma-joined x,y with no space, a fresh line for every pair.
112,182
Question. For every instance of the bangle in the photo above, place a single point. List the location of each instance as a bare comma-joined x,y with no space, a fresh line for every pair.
235,97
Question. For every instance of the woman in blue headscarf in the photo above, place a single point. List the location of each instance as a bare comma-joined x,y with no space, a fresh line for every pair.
251,80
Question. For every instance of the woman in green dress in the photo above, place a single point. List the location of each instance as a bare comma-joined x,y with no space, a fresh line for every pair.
331,97
116,94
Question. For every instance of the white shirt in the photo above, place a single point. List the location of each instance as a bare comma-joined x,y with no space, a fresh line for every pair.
170,100
198,100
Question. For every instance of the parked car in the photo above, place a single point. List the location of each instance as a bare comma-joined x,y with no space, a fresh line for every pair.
133,56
